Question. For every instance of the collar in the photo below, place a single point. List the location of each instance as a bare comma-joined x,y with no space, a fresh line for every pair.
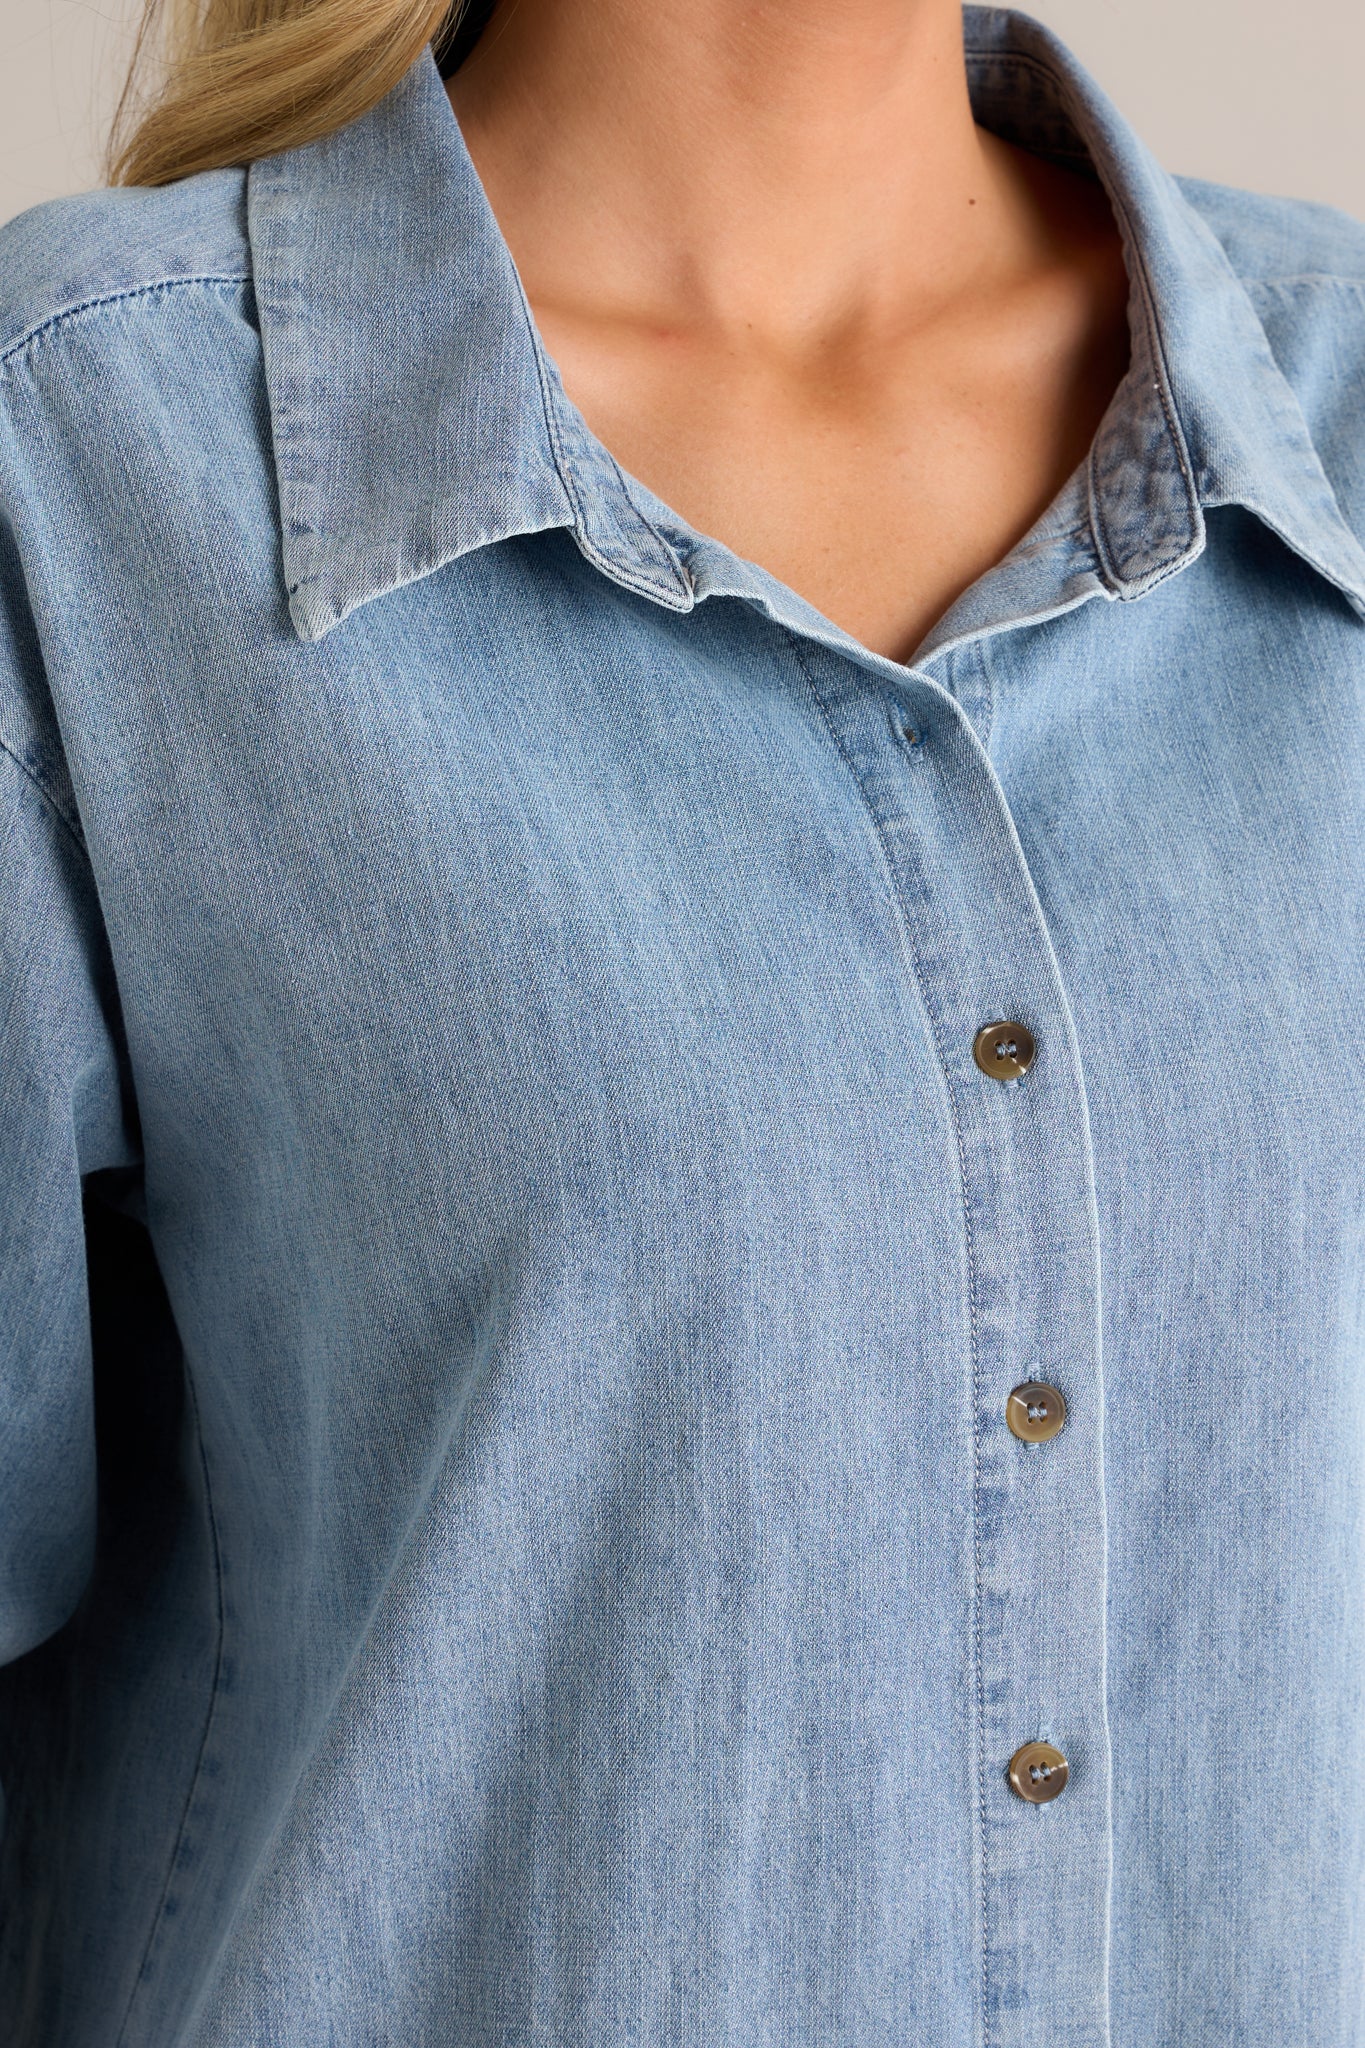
416,415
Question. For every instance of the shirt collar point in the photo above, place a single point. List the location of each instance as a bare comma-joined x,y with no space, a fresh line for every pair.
311,617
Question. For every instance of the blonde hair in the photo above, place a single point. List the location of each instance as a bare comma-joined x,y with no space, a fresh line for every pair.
240,79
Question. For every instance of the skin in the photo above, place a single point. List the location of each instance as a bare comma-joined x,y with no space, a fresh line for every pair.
795,289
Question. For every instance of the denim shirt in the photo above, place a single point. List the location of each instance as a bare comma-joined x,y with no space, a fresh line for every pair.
513,1526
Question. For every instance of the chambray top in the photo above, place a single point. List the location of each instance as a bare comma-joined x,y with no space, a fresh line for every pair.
512,1274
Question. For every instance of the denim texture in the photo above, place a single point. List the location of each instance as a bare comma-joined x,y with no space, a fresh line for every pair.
511,1274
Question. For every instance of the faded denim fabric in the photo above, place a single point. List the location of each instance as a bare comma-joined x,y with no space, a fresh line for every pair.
509,1536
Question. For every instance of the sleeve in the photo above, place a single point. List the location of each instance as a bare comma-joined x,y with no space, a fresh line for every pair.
67,1112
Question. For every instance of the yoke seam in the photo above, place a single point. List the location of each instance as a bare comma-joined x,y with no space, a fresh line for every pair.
136,291
1283,280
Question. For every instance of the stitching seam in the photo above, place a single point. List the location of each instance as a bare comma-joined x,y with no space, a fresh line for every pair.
183,1829
50,802
563,469
138,291
970,1247
640,514
1289,279
1045,71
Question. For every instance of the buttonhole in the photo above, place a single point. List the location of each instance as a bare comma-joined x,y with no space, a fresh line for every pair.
913,735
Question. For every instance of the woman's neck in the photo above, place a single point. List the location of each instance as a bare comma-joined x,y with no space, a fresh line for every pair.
791,172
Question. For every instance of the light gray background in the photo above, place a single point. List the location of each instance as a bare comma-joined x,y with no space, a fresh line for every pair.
1266,93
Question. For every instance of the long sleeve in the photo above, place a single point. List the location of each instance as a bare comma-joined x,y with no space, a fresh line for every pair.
66,1112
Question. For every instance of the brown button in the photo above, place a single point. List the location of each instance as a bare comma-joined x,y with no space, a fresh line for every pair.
1004,1050
1035,1411
1038,1772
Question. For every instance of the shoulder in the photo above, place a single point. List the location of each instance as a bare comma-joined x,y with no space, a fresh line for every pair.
1302,267
71,257
1279,241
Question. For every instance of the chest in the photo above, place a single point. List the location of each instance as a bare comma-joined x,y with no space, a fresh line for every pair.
577,1021
680,918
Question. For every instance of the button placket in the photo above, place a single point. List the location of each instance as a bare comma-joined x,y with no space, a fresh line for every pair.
987,974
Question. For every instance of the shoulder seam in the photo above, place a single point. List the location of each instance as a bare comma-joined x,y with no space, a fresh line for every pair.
49,801
136,291
1332,277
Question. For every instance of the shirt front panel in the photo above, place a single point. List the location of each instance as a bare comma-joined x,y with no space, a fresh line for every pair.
590,1591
